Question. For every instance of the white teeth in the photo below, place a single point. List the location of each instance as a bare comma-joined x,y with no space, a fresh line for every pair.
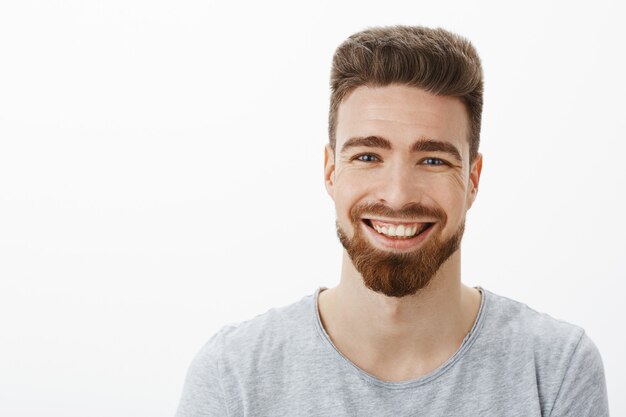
397,231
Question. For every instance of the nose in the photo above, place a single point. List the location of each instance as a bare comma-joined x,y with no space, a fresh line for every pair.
398,186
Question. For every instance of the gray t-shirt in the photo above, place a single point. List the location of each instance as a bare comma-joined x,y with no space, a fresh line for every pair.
514,362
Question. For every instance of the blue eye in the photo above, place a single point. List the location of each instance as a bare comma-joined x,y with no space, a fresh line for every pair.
367,158
433,161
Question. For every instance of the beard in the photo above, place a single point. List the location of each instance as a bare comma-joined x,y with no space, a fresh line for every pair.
399,274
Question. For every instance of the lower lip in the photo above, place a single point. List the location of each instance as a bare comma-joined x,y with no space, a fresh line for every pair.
399,244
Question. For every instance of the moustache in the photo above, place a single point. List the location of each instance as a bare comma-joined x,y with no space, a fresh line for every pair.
409,211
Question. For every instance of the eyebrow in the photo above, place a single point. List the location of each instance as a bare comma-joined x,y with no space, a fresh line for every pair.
367,141
431,145
421,145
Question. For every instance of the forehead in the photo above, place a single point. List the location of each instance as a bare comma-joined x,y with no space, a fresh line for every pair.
402,114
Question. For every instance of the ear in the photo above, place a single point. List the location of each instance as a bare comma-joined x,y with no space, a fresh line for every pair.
474,179
329,170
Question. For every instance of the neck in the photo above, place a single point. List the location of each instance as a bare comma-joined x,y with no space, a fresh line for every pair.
419,330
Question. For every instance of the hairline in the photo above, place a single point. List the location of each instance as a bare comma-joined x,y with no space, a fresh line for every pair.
349,91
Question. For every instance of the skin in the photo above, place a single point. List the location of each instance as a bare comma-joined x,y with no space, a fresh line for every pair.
400,338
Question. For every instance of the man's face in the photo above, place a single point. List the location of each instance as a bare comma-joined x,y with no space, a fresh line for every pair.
402,182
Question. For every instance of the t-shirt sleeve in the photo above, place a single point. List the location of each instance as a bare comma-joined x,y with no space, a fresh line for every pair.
583,389
203,395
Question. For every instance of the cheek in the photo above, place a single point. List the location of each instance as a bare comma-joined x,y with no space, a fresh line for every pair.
344,201
349,190
450,194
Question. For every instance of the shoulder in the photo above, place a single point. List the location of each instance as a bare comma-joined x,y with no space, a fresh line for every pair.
537,348
527,339
565,362
509,321
261,335
239,354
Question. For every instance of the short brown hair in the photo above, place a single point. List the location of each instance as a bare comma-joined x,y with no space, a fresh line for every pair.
435,60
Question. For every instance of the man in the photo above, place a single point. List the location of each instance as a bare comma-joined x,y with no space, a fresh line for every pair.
400,335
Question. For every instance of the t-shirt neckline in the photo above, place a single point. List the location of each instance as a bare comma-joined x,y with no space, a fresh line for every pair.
465,345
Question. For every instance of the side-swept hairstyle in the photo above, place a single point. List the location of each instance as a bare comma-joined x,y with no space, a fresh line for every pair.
435,60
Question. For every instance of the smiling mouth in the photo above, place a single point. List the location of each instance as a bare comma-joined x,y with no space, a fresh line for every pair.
398,231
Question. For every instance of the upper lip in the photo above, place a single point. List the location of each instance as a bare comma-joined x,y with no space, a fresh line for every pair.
398,221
